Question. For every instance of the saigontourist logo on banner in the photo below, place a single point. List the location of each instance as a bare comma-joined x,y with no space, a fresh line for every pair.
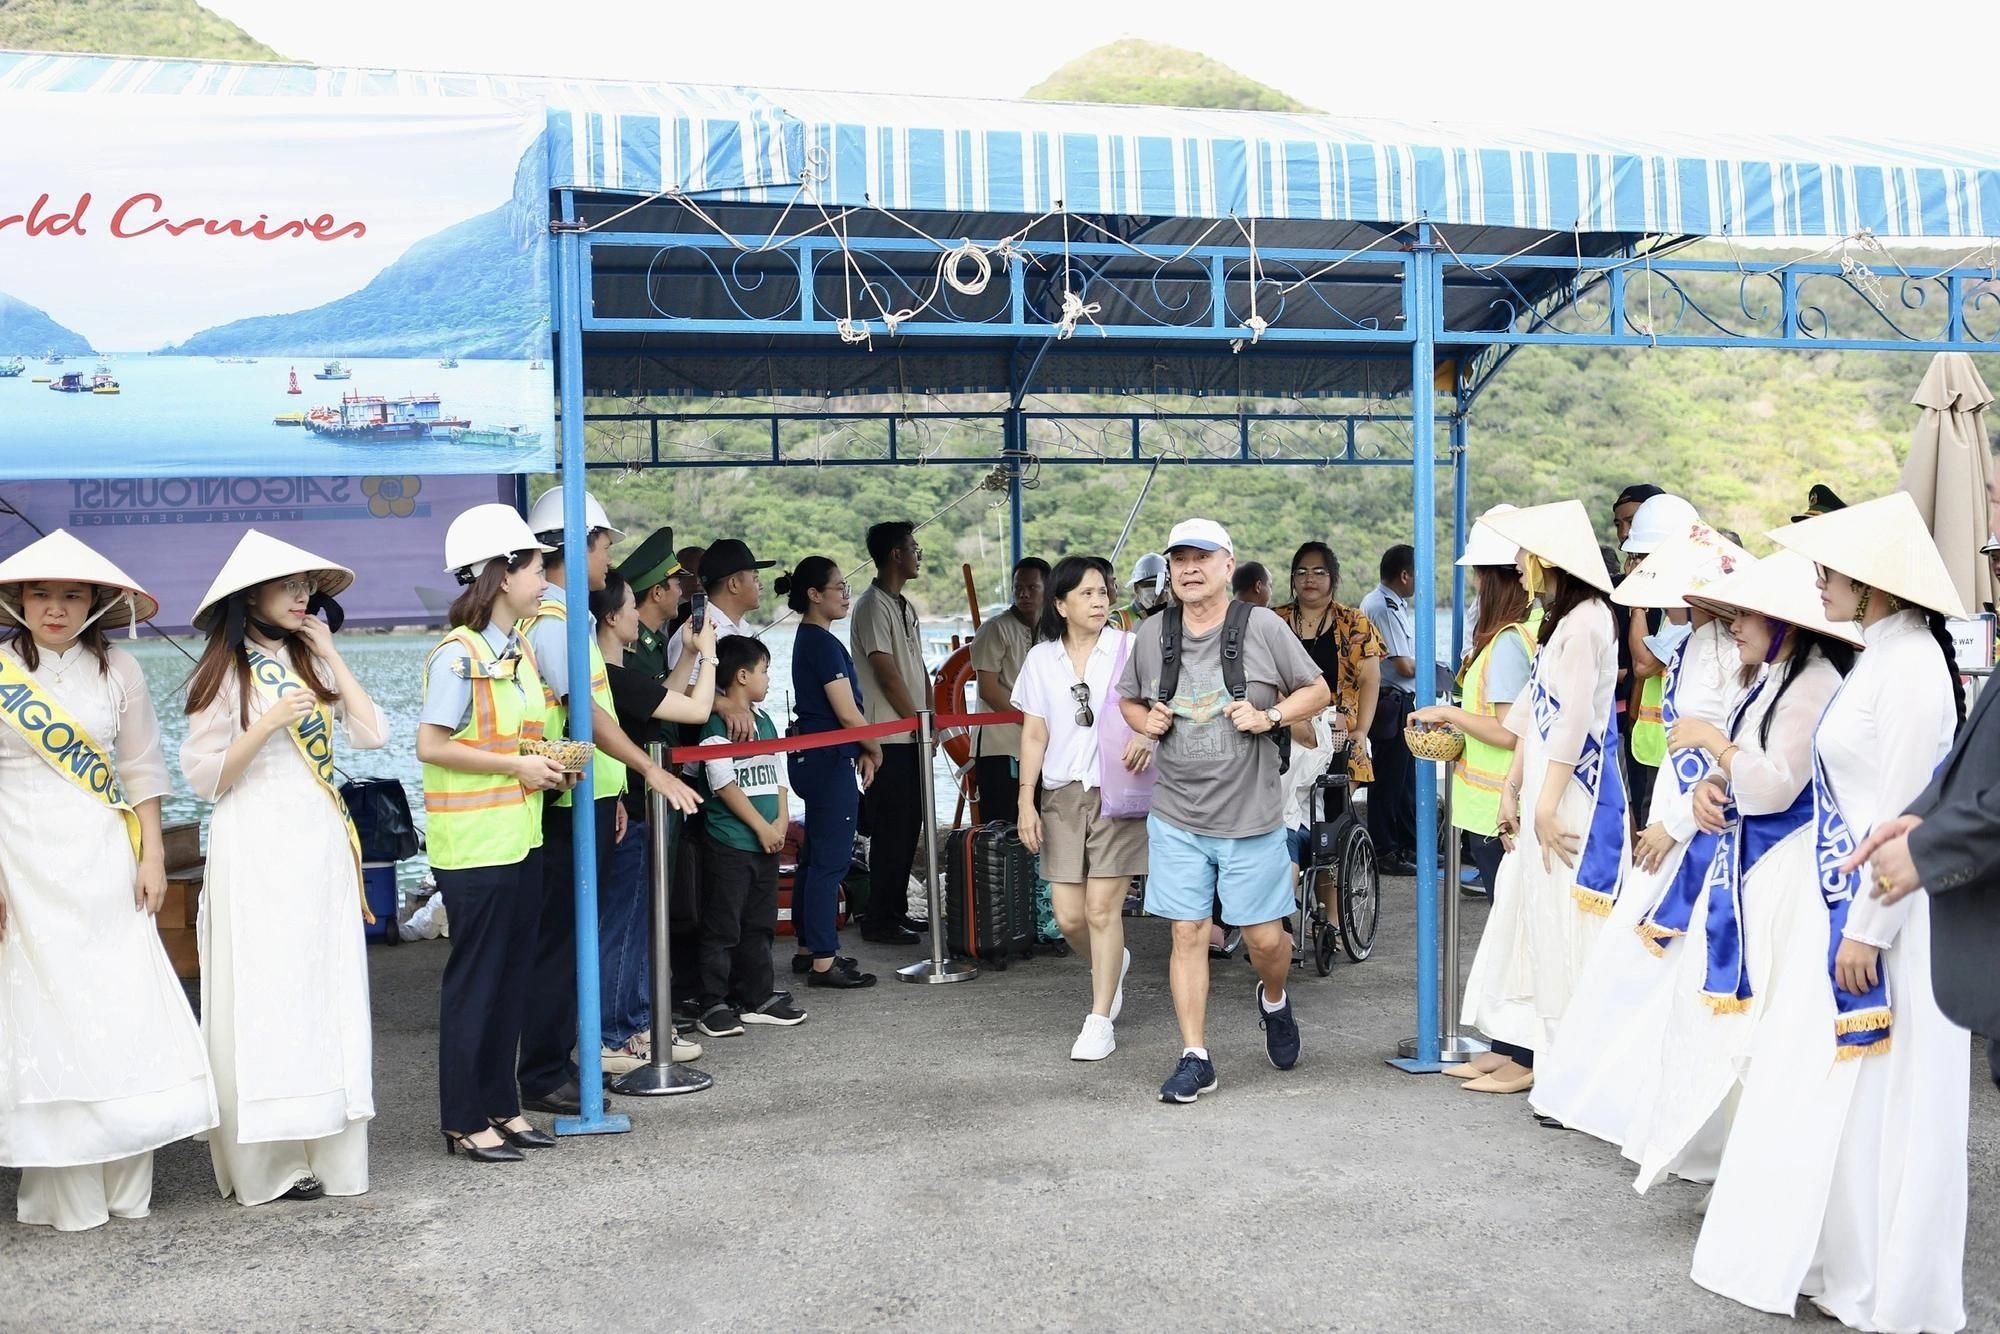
315,286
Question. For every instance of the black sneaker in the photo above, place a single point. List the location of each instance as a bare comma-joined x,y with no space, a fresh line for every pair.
719,1021
778,1010
1193,1077
1281,1031
803,963
841,978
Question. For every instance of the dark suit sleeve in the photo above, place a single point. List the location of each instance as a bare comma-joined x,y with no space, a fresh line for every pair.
1958,843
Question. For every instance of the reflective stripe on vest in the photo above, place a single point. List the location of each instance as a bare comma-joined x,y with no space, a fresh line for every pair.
1649,728
485,819
1482,768
607,776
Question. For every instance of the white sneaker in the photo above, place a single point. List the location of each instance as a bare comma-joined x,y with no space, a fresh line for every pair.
1118,1001
1096,1041
619,1060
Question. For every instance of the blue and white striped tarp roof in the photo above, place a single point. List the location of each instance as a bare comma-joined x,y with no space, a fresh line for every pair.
963,155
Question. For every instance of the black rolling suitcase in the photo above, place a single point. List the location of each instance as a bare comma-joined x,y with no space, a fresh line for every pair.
989,894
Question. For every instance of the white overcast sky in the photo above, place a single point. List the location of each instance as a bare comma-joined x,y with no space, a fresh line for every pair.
1918,68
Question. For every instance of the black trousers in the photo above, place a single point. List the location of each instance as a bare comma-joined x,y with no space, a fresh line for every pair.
483,998
1486,855
894,821
548,1034
684,909
739,918
999,788
1392,797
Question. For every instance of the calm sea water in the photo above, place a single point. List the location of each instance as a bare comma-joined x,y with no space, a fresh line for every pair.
177,414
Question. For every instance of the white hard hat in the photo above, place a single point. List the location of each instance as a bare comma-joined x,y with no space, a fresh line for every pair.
484,533
1148,569
1660,518
546,514
1483,546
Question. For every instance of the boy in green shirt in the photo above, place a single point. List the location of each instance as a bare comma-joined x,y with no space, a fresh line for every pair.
745,828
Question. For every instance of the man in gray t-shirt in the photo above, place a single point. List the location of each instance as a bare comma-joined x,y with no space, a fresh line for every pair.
1216,829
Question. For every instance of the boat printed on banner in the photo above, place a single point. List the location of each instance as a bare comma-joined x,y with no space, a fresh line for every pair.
334,370
512,437
374,417
12,367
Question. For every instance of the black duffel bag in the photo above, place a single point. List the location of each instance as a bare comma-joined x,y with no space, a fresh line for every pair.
380,809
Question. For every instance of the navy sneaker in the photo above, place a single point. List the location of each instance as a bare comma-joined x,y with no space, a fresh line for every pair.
1281,1031
1193,1077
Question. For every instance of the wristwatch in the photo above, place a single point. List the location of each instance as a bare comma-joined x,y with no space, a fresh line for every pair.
1275,715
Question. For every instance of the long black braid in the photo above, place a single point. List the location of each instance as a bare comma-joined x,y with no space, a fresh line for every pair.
1942,634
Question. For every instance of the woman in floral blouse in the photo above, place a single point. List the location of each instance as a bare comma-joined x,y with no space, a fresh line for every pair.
1344,644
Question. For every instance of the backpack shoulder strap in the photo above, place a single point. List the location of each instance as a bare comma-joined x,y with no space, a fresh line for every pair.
1170,653
1234,622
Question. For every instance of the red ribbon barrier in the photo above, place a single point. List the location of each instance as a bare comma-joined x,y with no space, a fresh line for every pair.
820,740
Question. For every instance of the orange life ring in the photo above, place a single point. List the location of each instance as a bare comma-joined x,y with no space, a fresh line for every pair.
948,689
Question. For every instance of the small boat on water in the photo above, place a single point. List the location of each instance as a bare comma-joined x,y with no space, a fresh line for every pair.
498,437
72,382
236,361
448,362
289,419
374,418
333,370
12,367
54,358
535,365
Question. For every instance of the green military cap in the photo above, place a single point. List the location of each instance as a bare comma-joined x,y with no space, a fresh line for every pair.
1819,500
653,563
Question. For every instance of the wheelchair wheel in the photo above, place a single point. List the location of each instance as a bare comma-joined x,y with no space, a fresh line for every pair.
1360,897
1324,944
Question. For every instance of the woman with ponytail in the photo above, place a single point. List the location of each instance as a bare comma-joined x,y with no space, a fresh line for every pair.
284,1005
1757,808
1562,805
1844,1175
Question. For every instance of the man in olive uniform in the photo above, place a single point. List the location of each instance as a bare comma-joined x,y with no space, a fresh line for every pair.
651,570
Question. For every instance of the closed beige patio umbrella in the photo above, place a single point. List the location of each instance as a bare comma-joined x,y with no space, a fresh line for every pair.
1947,470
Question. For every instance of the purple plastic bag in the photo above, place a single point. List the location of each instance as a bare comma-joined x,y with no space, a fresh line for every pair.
1122,795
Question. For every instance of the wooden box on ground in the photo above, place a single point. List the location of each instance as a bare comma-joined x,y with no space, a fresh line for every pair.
183,902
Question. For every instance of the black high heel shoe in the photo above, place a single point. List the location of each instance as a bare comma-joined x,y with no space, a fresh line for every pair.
481,1153
530,1138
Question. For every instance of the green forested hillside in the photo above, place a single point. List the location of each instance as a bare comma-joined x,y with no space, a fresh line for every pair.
128,28
1151,74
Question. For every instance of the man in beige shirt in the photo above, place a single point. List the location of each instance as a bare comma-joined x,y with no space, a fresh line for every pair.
889,667
998,651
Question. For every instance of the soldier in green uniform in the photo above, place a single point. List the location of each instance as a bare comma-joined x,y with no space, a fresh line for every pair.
651,570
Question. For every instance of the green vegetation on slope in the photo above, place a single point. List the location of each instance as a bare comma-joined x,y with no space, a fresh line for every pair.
128,28
1144,73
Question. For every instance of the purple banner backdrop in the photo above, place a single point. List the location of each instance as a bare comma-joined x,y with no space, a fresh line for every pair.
173,533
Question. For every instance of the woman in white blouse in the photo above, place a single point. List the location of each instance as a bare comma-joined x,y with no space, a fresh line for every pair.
284,977
1844,1178
1088,856
100,1059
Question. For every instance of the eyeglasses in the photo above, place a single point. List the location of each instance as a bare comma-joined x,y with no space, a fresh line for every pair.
1080,692
296,588
839,586
1312,572
1820,573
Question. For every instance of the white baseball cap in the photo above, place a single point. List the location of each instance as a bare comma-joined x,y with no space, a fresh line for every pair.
1201,534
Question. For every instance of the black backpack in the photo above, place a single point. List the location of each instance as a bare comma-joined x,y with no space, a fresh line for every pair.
1234,622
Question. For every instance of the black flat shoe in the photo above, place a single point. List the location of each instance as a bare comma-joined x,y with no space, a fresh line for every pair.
478,1153
840,978
888,935
565,1100
305,1188
530,1138
803,963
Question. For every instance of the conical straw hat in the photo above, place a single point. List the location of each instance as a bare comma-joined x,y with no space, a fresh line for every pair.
60,557
1699,556
1781,586
260,558
1881,543
1559,533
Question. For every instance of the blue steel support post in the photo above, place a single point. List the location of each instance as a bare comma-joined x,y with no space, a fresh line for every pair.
1418,305
571,262
1460,533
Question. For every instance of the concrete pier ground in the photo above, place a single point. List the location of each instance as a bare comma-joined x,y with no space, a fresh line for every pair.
928,1157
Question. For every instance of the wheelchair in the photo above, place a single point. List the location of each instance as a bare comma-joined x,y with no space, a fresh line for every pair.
1339,894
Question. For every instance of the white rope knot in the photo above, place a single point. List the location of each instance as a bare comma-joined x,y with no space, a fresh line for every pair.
891,319
954,264
855,331
1256,324
1074,311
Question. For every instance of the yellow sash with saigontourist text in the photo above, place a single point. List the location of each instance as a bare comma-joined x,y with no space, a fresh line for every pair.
313,735
62,741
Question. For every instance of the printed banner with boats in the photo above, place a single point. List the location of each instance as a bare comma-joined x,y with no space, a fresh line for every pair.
212,286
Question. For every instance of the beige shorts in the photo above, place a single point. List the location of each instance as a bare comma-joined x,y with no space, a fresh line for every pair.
1080,844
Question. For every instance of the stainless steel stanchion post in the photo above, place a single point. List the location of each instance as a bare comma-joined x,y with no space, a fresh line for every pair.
1453,1047
937,968
662,1075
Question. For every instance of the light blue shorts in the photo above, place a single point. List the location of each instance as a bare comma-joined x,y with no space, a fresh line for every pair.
1185,872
